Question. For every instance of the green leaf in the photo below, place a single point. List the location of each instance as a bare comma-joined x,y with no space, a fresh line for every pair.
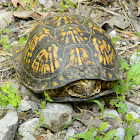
120,104
47,97
87,135
121,110
17,98
71,138
114,39
124,65
110,135
5,21
114,116
130,117
138,34
13,102
27,1
11,95
6,30
37,112
117,138
99,104
97,138
137,120
133,72
103,126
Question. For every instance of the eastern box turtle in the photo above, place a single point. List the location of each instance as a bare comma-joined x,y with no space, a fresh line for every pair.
70,58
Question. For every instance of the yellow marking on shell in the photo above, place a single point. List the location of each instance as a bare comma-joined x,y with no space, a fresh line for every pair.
66,20
35,26
85,38
90,25
55,51
106,54
78,55
51,63
103,46
59,21
78,39
99,41
70,77
54,83
44,86
43,67
95,55
91,74
109,47
55,18
94,40
98,29
96,73
84,55
110,75
72,35
84,82
105,73
76,35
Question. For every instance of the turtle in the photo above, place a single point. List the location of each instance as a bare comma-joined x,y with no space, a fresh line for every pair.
70,57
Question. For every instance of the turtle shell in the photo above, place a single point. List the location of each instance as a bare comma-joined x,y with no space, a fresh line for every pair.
65,48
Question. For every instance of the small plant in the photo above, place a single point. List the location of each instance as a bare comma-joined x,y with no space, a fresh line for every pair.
4,40
114,39
8,96
43,103
138,34
41,118
120,88
89,134
129,129
65,5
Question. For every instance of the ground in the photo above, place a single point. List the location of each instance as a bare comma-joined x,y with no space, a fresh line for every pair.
120,19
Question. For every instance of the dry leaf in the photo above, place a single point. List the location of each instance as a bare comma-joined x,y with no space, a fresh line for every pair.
5,19
22,14
15,2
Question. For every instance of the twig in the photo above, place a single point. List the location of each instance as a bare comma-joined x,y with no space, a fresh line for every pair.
124,12
125,32
108,11
7,69
4,54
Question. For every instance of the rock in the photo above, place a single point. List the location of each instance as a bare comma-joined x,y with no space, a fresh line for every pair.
130,106
70,132
135,58
56,115
33,105
135,98
138,110
137,127
108,128
134,114
25,105
49,135
136,137
60,134
29,137
120,133
28,127
30,94
114,122
8,126
46,3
